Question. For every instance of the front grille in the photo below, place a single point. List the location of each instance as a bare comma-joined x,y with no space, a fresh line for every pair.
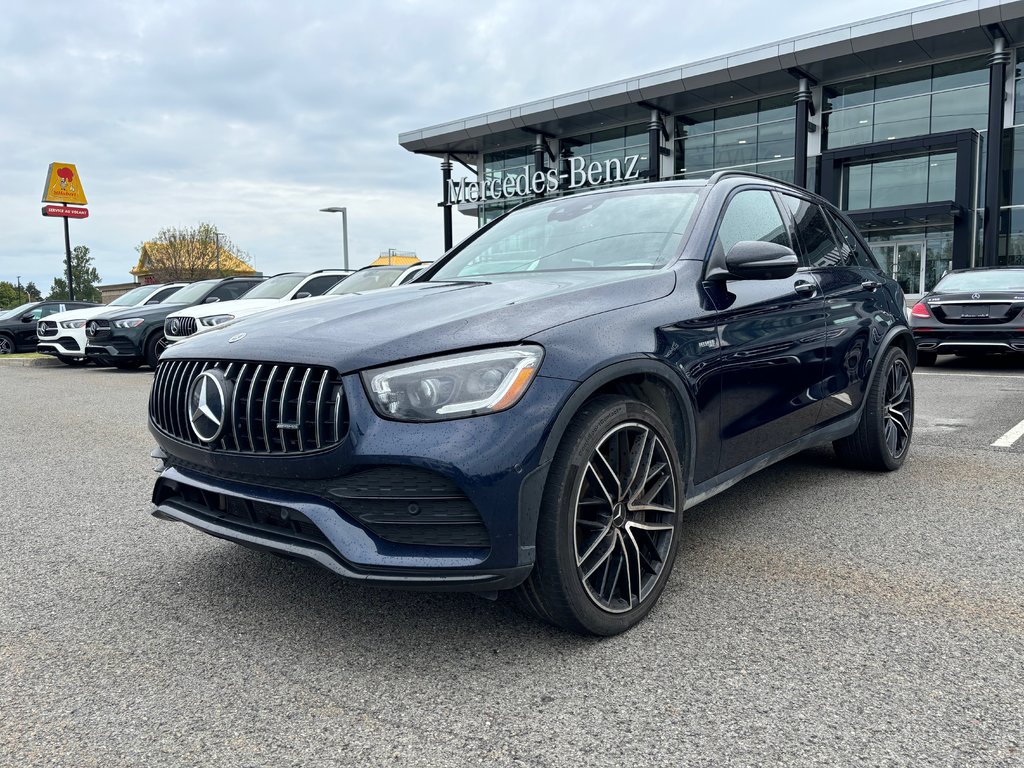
46,328
272,408
97,329
180,326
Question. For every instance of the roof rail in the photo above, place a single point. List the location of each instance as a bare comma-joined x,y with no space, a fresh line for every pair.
717,176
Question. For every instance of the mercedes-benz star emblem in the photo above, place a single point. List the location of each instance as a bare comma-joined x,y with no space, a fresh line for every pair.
174,326
91,328
208,404
975,295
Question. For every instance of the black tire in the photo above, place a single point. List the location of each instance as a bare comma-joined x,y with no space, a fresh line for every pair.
597,515
926,359
7,345
126,365
883,437
73,361
155,346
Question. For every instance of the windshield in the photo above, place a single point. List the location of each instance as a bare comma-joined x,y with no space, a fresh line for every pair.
193,293
626,229
990,280
134,296
274,288
367,280
17,310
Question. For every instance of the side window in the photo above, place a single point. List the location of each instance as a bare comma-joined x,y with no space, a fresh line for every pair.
859,255
46,309
819,245
162,294
232,290
318,285
751,215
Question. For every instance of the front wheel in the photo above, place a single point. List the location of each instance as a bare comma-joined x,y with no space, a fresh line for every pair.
882,439
609,522
6,345
155,347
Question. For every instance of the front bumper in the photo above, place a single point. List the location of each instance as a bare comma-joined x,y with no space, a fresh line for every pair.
472,529
62,345
118,346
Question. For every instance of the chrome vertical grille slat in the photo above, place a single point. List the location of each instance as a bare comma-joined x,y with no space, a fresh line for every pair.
265,409
298,410
308,401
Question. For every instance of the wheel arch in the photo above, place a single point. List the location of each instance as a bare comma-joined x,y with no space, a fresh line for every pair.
649,381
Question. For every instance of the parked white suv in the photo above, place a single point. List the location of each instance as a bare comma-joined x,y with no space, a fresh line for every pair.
63,335
271,293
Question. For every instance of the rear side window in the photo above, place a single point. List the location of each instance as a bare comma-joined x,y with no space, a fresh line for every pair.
318,285
819,247
232,290
751,215
858,255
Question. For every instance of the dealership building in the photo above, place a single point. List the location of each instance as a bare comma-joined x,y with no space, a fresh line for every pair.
912,123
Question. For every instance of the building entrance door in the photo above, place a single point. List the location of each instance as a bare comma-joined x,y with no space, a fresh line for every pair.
904,261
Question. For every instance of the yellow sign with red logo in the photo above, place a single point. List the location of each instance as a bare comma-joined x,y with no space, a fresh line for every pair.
63,185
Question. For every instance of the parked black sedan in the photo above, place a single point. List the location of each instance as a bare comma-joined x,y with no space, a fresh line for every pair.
971,311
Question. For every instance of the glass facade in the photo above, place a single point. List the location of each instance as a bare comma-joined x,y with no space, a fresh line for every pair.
757,136
912,102
497,166
613,144
899,252
899,181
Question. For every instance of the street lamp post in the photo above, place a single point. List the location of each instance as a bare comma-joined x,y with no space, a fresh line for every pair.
344,227
19,289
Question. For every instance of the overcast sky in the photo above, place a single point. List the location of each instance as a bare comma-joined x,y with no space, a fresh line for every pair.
254,115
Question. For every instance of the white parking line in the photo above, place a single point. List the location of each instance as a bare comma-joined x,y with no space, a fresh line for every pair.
1011,437
918,372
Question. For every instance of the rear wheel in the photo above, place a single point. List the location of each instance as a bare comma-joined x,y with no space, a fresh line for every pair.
882,439
126,365
73,361
926,359
609,523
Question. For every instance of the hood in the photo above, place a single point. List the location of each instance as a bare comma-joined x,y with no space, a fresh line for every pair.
78,314
237,306
151,312
363,330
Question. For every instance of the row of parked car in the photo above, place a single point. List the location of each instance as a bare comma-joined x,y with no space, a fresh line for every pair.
137,327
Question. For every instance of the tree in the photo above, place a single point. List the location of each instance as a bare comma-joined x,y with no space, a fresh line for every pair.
83,273
33,293
9,296
191,253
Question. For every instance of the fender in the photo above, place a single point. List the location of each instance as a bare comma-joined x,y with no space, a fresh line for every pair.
887,341
532,489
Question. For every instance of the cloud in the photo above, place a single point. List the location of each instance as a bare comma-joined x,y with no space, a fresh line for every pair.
254,115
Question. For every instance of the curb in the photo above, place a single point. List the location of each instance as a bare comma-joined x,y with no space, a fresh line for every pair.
41,362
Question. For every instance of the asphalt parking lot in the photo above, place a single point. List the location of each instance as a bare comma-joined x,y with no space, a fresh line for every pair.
817,616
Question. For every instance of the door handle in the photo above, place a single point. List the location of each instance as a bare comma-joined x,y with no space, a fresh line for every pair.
870,285
805,288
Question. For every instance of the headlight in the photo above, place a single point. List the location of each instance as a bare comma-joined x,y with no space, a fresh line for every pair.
453,386
213,320
72,323
129,322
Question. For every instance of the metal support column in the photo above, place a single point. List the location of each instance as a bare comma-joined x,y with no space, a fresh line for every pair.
539,149
446,178
654,131
994,150
67,254
804,104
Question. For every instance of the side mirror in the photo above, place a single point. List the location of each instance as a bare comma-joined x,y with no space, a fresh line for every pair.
211,300
29,318
757,260
302,295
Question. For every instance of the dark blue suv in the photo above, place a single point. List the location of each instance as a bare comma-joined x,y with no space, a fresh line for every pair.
537,410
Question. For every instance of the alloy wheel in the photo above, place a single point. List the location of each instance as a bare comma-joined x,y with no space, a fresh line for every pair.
624,517
899,408
6,348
